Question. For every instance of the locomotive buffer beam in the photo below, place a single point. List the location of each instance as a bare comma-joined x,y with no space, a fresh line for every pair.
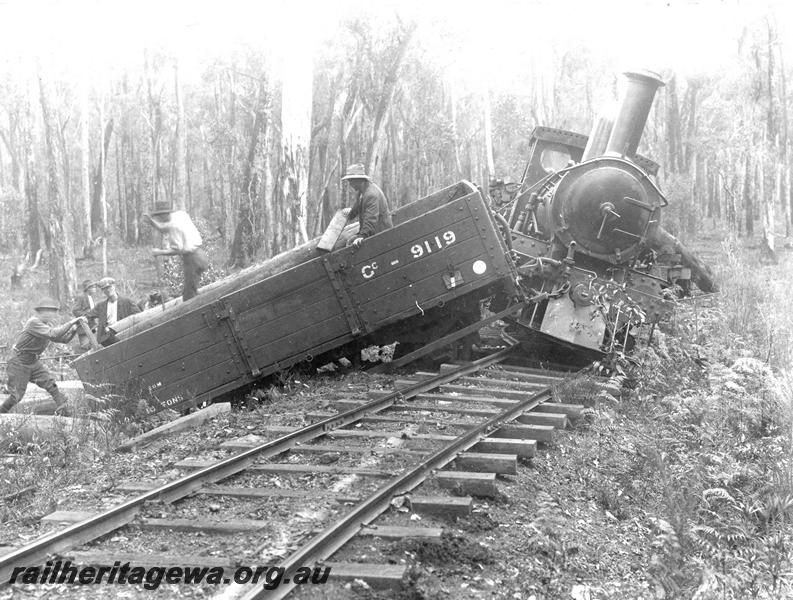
448,339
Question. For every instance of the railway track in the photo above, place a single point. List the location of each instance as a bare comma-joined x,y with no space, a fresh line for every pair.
455,430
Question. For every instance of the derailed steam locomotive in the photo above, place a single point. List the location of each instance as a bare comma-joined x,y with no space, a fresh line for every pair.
585,231
578,260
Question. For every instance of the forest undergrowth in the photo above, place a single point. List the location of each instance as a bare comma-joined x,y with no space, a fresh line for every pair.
707,457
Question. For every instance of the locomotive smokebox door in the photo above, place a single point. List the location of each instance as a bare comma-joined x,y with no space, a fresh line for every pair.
608,207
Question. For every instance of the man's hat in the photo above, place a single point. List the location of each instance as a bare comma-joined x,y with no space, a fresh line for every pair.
356,171
106,282
47,304
88,284
161,208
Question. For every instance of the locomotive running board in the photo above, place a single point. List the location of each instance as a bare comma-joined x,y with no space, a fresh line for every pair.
440,343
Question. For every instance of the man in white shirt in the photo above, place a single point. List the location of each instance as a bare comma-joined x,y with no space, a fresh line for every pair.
110,311
180,237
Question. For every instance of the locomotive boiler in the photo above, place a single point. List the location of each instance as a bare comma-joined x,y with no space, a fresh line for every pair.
584,227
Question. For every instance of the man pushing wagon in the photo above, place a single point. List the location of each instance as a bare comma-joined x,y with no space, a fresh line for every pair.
24,364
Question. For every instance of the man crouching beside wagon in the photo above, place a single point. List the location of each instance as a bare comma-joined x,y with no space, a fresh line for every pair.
370,207
24,364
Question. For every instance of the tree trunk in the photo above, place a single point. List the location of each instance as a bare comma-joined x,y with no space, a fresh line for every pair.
391,79
695,211
33,214
120,193
155,130
103,146
296,103
674,163
767,200
455,136
691,126
85,170
787,200
62,265
490,164
747,196
771,120
245,243
180,185
779,193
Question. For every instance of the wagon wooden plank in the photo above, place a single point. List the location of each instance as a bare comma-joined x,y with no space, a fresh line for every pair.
274,355
434,200
401,532
302,277
181,348
180,424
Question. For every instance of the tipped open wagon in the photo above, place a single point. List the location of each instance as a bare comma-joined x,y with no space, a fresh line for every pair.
412,283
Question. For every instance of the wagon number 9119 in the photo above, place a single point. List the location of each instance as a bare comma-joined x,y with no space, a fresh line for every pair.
436,243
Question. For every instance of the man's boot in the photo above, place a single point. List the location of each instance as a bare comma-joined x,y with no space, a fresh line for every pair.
61,408
7,405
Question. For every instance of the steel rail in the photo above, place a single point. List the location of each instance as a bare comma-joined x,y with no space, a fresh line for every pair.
343,530
36,552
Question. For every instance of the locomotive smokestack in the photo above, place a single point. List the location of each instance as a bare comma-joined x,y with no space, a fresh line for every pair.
599,136
633,111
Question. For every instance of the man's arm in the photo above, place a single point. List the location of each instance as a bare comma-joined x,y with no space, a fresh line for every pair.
69,333
60,335
352,212
161,227
371,215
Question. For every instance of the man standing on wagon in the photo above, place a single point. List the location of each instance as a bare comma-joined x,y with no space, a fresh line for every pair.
25,364
370,206
181,237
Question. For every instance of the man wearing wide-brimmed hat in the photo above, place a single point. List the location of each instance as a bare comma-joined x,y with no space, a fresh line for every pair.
110,310
181,237
370,206
24,364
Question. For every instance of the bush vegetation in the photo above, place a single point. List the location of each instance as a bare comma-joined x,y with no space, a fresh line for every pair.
709,454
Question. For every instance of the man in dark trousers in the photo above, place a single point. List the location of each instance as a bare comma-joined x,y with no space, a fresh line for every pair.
110,310
181,237
24,364
84,304
370,206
